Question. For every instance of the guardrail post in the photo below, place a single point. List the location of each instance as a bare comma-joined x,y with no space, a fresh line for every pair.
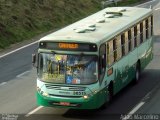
108,2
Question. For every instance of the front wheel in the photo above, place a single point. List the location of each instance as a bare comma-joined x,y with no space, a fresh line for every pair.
110,96
110,91
137,74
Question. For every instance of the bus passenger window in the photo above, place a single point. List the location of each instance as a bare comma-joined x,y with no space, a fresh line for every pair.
129,40
119,48
144,31
132,38
141,32
135,36
147,29
138,34
126,43
115,49
123,44
152,25
110,56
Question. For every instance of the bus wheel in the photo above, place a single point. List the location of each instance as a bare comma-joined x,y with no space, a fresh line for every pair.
137,74
110,92
110,96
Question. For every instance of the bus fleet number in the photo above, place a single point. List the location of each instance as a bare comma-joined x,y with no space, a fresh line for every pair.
79,93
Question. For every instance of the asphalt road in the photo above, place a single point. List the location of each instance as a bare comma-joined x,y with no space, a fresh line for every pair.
152,103
18,87
16,63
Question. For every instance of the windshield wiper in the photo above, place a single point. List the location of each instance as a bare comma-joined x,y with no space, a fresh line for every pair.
53,52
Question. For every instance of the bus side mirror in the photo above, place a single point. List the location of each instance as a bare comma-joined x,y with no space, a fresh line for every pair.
34,61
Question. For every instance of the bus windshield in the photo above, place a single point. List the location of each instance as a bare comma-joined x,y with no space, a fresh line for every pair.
67,69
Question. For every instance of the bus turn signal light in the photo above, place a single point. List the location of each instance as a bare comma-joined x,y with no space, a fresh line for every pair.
110,71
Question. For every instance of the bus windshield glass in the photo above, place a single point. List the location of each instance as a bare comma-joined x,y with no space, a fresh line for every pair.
67,69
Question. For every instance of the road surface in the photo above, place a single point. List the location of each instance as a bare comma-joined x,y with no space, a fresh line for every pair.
18,87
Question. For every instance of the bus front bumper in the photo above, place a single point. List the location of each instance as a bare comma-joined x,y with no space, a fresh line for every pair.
92,102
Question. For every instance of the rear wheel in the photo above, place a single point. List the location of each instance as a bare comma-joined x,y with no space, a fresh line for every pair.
110,92
137,74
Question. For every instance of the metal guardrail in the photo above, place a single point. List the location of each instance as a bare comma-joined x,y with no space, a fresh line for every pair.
108,2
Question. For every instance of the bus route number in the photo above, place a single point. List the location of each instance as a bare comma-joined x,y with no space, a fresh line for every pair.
79,93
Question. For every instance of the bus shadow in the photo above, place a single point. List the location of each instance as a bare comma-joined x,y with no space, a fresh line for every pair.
124,101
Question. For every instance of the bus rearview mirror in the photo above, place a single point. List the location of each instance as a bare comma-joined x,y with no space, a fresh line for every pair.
34,60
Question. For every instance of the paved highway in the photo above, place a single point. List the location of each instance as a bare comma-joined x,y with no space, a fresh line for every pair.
152,103
18,87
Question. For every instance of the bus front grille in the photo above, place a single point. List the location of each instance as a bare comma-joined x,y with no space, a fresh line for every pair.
65,88
53,95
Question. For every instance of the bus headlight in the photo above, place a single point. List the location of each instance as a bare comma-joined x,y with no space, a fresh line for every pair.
85,96
45,94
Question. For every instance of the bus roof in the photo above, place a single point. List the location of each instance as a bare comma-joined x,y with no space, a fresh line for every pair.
100,26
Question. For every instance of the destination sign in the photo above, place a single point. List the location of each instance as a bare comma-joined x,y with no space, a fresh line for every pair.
68,45
88,47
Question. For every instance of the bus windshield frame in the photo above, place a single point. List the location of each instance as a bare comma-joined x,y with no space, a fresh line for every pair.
58,69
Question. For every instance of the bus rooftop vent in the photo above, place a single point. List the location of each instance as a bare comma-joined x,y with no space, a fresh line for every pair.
90,27
122,10
101,20
80,30
113,14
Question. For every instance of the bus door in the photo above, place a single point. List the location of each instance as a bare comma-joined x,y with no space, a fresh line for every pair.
102,70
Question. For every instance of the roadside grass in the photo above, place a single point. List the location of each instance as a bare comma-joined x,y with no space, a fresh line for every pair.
23,19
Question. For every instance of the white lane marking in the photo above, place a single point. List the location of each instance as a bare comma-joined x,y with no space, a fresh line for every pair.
18,49
133,110
22,74
137,107
145,3
33,111
157,9
38,108
3,83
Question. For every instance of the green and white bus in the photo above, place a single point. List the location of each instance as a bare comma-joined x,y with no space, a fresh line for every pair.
83,65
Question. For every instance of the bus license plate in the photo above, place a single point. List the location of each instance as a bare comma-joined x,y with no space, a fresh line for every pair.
65,103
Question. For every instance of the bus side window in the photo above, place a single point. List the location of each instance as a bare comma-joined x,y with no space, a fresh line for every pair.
123,44
147,36
149,27
129,40
115,49
135,36
126,43
132,38
110,56
138,34
152,25
119,48
141,32
102,59
144,31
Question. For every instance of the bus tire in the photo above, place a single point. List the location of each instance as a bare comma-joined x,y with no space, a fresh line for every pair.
110,96
110,92
137,73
